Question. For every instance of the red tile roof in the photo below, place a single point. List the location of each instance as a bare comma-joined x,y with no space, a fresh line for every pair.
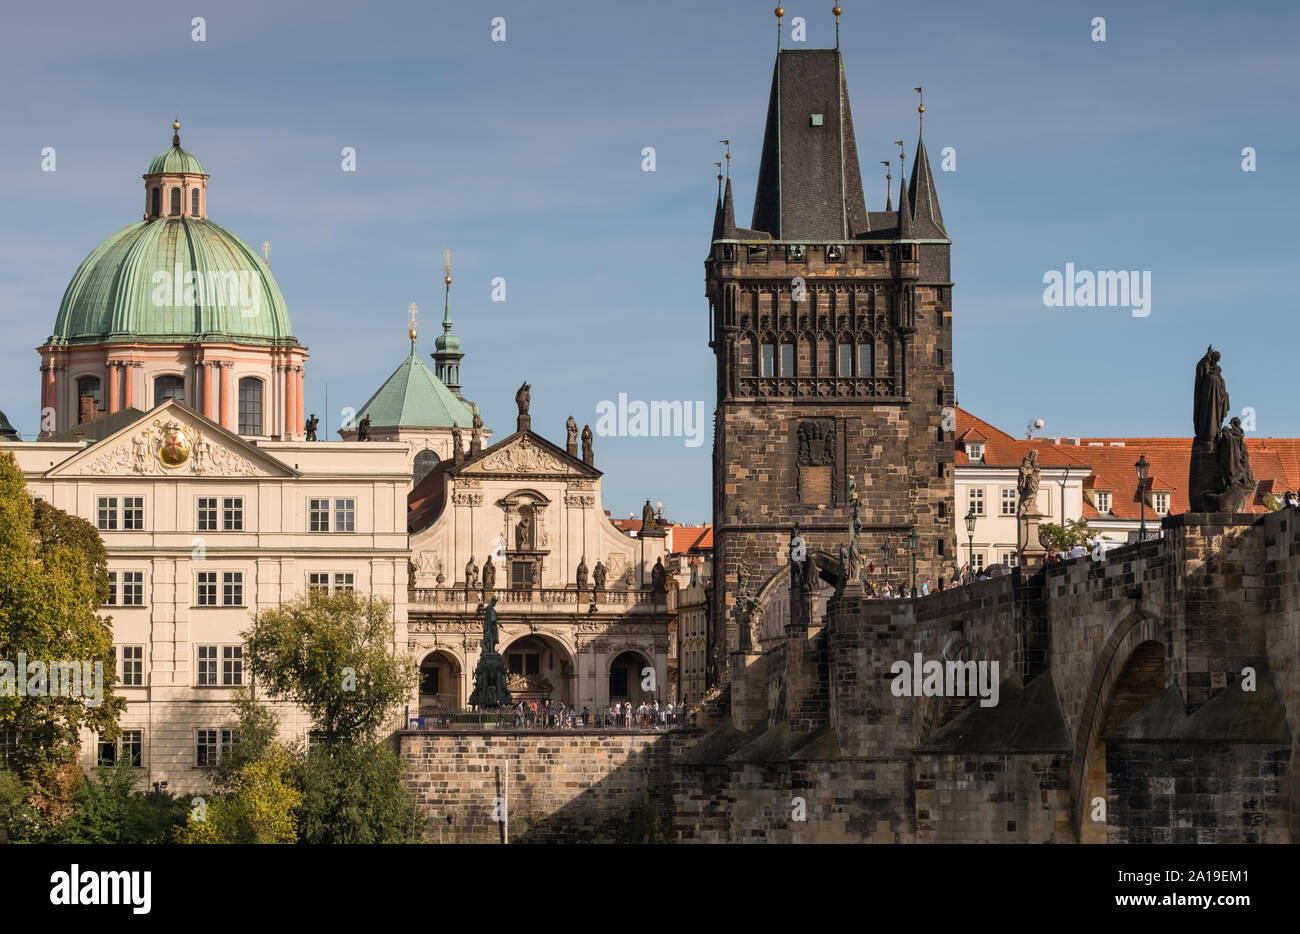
1002,450
686,538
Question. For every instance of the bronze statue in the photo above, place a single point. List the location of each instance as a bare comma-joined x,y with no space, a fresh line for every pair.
491,631
312,424
598,576
523,397
1027,485
582,573
363,428
1210,404
658,576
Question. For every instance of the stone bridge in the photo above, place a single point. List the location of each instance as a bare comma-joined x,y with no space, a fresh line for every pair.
1149,696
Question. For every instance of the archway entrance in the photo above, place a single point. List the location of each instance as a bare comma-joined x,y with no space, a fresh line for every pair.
440,683
625,678
539,669
1141,681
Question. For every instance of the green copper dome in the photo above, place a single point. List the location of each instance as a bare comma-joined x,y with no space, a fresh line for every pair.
173,279
413,397
176,161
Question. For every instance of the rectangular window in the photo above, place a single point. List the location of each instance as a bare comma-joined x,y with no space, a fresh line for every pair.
976,504
939,547
205,590
232,588
232,514
106,752
207,514
207,665
1010,559
345,514
133,513
978,563
232,664
345,581
787,359
867,359
131,667
108,513
1008,501
210,745
319,581
768,360
846,359
318,515
8,746
133,747
112,589
133,588
1162,503
1103,503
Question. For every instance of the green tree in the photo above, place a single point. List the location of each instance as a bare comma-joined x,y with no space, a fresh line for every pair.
355,793
108,809
333,655
52,583
260,806
1055,537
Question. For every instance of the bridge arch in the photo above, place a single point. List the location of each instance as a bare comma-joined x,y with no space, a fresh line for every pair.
1129,672
772,605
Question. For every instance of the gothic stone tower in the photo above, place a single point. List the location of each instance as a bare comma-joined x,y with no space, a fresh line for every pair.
832,329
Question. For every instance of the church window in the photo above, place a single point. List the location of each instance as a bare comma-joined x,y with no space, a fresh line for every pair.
425,461
846,359
176,202
866,358
767,360
155,207
89,386
521,575
194,201
787,359
167,387
250,406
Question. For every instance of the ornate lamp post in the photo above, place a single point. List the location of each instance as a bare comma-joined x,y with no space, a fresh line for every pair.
884,560
914,540
1142,468
971,519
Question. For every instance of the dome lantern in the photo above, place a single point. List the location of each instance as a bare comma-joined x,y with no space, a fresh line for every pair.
175,183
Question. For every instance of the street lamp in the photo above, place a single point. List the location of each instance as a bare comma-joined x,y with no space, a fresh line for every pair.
1142,468
971,519
914,540
884,560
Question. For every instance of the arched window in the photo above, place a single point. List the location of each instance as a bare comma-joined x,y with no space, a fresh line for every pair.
425,461
88,386
168,387
194,201
176,201
156,208
250,406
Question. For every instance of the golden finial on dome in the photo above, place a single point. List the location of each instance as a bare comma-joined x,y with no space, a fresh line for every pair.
176,124
779,11
414,309
176,132
836,10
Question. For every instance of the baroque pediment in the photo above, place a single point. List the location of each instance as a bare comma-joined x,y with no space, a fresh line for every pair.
525,455
172,441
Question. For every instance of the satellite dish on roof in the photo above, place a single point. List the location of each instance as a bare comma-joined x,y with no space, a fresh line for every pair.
1034,425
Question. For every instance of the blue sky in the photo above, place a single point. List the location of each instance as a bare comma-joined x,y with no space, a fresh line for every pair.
524,158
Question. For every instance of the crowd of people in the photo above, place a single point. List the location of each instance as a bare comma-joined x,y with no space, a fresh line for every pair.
556,715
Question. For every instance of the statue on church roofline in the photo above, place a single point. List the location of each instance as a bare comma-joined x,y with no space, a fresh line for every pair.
588,457
363,428
523,398
312,424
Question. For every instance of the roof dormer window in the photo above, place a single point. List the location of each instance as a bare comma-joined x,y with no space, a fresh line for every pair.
975,450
